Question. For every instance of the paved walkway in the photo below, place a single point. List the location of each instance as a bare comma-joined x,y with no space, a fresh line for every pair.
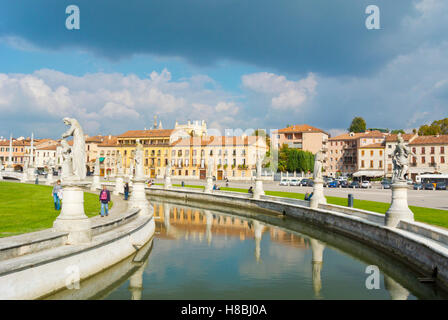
119,207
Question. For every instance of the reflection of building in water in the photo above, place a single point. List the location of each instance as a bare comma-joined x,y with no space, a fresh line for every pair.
258,231
317,248
202,223
396,291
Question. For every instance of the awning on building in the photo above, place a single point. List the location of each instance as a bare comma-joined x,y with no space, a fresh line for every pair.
369,173
102,159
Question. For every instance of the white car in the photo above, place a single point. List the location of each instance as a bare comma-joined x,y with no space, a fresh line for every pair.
284,182
366,184
294,182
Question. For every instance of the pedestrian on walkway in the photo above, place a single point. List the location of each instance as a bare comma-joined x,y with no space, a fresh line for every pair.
104,199
57,195
126,191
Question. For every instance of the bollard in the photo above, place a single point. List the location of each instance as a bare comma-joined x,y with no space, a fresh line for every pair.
350,200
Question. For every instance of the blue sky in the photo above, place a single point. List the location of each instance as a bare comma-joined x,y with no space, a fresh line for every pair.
235,63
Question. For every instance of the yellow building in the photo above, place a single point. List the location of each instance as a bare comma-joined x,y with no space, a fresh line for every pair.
156,145
233,157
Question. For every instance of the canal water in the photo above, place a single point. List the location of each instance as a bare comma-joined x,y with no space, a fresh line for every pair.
198,253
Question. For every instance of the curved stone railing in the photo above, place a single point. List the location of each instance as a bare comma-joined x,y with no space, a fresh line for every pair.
420,246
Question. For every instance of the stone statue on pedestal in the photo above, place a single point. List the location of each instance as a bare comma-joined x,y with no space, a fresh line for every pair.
67,162
168,170
259,165
318,164
210,167
96,170
138,160
400,160
78,149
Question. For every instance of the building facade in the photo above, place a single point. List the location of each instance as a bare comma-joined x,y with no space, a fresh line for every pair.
342,157
304,137
430,155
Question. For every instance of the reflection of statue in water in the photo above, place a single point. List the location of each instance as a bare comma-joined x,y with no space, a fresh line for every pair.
78,151
400,160
67,161
318,163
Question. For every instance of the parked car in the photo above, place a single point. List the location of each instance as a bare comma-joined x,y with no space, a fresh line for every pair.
327,180
333,184
307,183
354,184
294,182
343,184
441,186
428,186
385,184
366,185
418,186
284,182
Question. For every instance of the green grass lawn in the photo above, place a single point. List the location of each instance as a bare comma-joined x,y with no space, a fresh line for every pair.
432,216
27,207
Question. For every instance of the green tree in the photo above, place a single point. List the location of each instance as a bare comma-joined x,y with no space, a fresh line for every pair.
436,127
358,125
397,131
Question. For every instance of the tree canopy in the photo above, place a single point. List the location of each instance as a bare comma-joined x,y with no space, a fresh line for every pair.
291,159
436,127
358,125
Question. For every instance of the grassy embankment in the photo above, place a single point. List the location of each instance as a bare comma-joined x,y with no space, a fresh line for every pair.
27,207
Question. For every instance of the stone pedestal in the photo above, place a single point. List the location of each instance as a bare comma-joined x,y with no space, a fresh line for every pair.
168,184
119,185
209,185
258,191
138,198
1,175
398,209
72,218
96,184
318,194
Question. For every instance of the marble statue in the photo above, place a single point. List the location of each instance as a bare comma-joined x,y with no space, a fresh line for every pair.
25,165
119,163
67,162
78,151
96,170
138,160
318,163
168,170
210,167
400,160
259,166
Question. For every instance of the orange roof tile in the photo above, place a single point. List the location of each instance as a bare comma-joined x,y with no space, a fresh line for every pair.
421,140
147,133
300,128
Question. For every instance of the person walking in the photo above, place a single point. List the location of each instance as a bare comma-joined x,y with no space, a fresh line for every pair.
57,195
104,199
126,191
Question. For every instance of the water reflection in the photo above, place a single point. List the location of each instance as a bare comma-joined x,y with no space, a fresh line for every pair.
207,252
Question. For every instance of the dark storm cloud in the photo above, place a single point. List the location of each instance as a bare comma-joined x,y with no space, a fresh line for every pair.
293,36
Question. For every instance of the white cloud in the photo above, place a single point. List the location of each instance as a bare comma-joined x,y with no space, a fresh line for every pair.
113,102
284,94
